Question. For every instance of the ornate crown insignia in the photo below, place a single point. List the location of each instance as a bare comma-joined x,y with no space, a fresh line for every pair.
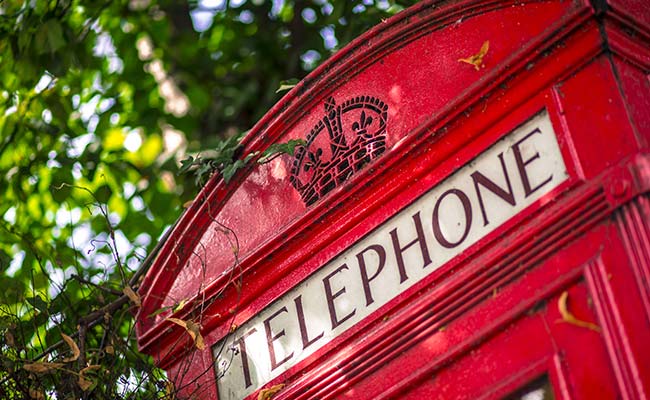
356,134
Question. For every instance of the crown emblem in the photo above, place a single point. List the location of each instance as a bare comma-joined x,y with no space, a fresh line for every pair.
347,138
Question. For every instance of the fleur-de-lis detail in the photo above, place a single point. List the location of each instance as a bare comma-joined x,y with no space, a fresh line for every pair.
364,122
348,136
314,159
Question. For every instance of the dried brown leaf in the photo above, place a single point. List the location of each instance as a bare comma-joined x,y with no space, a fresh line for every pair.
193,329
477,59
73,348
268,393
133,296
40,367
109,349
89,368
9,339
84,383
36,394
570,318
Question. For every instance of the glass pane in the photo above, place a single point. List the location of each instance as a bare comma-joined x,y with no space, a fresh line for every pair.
539,389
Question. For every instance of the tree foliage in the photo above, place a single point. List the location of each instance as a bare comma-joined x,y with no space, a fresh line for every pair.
100,102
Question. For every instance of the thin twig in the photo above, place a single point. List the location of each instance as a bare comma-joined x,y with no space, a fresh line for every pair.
100,287
95,317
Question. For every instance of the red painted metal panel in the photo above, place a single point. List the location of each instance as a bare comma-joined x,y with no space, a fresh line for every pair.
485,322
407,92
633,12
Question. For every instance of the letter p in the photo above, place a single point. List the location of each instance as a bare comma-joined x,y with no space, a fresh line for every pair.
363,269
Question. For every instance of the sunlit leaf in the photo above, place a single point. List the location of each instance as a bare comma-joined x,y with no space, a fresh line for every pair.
287,85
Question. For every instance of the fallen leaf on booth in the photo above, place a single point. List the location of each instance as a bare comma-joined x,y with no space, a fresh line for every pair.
477,59
570,318
266,394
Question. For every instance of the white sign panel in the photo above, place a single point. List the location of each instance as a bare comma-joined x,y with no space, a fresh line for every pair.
474,201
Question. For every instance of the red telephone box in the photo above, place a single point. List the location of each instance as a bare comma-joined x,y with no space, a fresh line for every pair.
469,217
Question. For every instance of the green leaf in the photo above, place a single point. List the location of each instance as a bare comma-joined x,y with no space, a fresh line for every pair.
5,260
186,164
103,194
38,303
281,148
60,193
204,172
286,85
24,41
159,311
292,144
50,36
231,169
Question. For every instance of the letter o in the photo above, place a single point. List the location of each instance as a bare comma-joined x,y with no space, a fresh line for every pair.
467,207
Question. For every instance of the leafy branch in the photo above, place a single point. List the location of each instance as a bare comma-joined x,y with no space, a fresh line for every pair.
225,160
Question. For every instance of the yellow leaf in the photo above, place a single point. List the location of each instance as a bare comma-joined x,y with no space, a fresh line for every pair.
133,296
170,390
180,305
477,59
42,367
150,150
193,329
114,139
73,347
177,321
570,318
266,394
109,349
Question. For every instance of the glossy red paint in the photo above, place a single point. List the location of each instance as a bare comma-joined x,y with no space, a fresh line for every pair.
488,321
